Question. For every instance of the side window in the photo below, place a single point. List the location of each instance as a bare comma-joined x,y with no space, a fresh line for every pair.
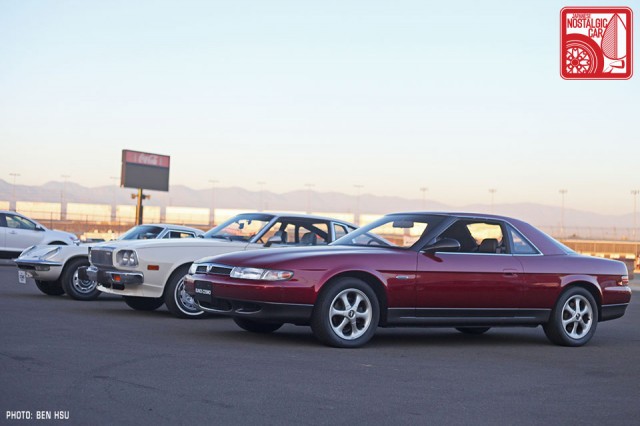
18,222
299,232
520,245
278,226
314,233
340,230
179,234
3,221
477,237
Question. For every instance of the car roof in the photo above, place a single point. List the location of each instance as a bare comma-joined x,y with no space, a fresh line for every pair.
469,215
301,216
170,225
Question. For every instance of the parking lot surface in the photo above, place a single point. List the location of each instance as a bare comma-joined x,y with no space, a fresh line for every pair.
103,363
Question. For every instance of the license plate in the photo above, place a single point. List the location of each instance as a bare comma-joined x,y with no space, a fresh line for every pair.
203,291
22,277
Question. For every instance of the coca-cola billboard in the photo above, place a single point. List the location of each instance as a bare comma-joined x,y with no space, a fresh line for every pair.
145,170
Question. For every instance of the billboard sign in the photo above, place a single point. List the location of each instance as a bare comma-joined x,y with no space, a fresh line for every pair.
145,170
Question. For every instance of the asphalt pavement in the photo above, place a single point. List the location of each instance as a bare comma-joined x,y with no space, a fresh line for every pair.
102,363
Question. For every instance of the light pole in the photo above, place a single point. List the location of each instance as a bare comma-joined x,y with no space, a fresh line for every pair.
115,186
309,185
357,213
63,207
13,196
635,193
424,190
261,184
563,192
213,199
492,191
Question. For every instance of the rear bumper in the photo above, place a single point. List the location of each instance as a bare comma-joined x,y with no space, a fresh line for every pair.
610,312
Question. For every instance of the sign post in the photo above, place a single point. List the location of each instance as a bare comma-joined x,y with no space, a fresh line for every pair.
143,170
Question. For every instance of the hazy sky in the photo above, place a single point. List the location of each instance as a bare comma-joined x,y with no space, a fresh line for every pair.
396,95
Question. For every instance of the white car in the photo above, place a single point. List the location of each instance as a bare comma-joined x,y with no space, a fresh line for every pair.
17,232
55,268
150,273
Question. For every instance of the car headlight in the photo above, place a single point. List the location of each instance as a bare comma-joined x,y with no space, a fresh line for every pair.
260,274
127,258
48,255
193,268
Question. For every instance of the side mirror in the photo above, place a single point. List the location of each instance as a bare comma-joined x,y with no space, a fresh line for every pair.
445,244
276,239
39,228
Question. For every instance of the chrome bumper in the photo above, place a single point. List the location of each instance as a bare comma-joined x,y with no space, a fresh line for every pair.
110,278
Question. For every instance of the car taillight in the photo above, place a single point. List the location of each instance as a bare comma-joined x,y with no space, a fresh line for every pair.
624,280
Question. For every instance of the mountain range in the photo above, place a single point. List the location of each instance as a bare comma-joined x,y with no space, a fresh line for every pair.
545,216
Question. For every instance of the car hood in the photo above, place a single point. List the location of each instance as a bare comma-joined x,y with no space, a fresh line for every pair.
36,252
301,255
171,243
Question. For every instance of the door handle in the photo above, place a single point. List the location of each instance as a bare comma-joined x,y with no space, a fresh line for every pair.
12,232
510,273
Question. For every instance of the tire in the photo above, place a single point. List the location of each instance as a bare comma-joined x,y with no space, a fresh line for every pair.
144,303
177,300
582,55
257,326
473,330
573,319
346,313
50,288
75,287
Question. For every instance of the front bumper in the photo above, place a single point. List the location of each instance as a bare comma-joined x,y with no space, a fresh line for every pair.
118,280
204,296
43,270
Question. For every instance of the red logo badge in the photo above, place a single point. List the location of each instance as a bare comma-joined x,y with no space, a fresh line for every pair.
596,43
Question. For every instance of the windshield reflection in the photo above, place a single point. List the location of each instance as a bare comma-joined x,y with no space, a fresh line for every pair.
240,228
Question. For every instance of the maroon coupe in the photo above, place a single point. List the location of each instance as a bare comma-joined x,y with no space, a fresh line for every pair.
462,270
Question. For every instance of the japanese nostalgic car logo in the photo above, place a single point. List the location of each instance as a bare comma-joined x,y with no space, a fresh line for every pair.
596,43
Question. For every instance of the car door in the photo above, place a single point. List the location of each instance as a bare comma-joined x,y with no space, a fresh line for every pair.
480,279
21,233
3,231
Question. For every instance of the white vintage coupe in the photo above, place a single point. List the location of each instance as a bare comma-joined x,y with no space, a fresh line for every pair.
150,273
55,267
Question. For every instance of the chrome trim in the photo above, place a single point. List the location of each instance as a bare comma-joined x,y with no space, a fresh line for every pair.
403,277
36,262
125,274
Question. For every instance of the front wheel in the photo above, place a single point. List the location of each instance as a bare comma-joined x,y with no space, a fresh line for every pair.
178,301
346,314
573,319
50,288
257,326
143,303
75,287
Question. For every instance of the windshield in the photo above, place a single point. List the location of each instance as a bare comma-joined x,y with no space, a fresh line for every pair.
397,230
142,232
240,228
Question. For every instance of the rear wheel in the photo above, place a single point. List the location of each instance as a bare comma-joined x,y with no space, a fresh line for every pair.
143,303
346,313
75,287
257,326
178,301
51,288
573,319
473,330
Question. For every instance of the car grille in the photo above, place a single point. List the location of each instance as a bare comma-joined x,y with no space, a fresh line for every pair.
101,257
213,269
